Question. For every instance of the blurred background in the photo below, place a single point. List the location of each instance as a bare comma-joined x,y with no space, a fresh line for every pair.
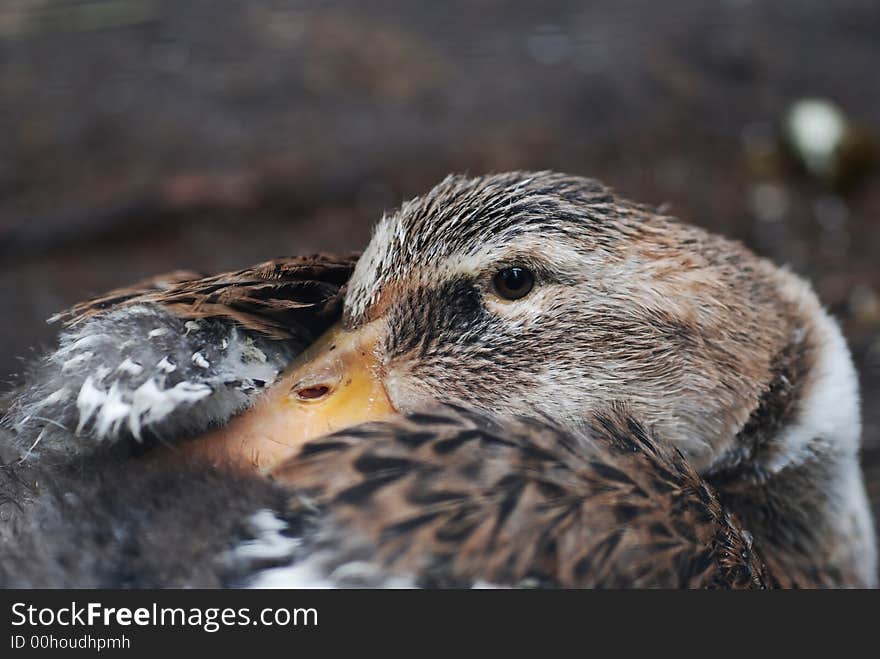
146,135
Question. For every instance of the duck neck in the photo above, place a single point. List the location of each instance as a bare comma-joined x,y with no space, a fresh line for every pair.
793,477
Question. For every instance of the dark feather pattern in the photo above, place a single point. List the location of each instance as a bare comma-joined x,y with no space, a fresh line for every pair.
521,503
512,503
270,298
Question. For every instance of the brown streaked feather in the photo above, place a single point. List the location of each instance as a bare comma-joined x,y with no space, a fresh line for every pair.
268,298
455,498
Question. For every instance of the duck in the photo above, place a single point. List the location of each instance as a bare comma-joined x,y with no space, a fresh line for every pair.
523,379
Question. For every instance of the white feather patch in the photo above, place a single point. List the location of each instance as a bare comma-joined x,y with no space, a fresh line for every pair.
269,544
150,403
88,402
199,360
165,365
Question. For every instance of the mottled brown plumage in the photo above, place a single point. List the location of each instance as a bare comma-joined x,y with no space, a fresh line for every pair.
270,298
456,498
725,355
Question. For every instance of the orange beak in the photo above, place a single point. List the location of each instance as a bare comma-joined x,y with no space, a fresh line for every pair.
334,384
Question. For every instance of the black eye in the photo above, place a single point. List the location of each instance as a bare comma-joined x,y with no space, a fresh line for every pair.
513,283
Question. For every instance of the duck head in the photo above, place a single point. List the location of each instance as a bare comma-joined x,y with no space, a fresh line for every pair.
545,294
540,294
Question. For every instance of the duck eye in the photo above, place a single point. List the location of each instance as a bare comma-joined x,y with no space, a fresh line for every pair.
513,283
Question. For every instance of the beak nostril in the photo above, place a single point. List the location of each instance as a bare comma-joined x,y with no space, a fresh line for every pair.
313,392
